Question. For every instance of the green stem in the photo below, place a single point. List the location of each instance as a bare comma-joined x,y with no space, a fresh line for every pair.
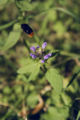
65,11
59,9
65,53
36,38
7,24
27,45
73,55
11,23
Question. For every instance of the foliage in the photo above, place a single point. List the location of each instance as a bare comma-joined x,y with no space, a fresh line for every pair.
30,89
55,79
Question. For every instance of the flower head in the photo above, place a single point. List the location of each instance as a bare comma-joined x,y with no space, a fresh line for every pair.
38,52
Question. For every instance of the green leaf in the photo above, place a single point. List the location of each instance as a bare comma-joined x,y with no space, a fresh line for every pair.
25,61
35,72
78,116
12,39
2,2
25,5
6,90
55,79
56,114
17,89
31,68
73,78
32,100
28,68
59,28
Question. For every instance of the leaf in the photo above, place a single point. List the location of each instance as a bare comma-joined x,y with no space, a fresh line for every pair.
55,79
59,28
17,89
28,68
31,68
12,39
7,90
32,100
56,114
78,116
25,61
2,2
35,72
73,78
25,5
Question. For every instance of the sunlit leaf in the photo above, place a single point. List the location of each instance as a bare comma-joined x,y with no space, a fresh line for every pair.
2,2
78,116
32,100
55,79
25,5
56,114
35,72
12,38
31,68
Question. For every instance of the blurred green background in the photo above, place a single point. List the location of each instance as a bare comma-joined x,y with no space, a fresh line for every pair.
58,23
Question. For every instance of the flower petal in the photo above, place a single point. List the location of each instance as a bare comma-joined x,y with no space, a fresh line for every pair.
33,48
44,45
38,46
33,55
42,61
47,56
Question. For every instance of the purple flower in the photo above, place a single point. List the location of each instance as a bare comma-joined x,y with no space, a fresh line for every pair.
44,45
47,56
38,46
38,53
33,48
33,55
42,61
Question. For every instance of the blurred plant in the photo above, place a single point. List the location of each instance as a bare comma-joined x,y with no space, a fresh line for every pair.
28,88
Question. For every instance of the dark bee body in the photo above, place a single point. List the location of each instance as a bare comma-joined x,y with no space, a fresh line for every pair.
26,28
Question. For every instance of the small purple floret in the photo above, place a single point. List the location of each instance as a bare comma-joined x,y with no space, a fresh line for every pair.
44,45
33,55
33,48
42,61
38,46
47,56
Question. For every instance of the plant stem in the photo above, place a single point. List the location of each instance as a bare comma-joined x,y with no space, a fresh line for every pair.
7,24
65,53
